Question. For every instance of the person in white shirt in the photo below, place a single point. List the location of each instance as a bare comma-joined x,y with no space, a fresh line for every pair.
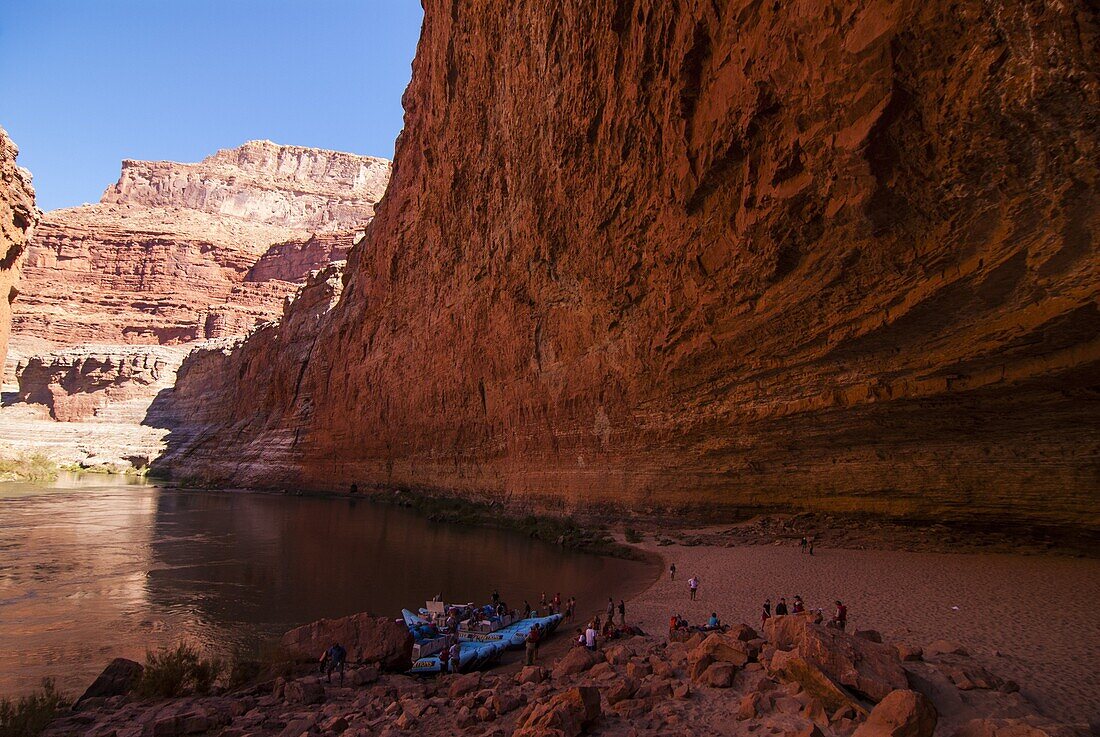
590,638
693,586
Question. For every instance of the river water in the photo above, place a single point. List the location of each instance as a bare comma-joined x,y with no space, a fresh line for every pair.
96,567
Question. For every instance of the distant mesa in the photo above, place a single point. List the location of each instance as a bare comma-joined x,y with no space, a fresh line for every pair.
178,252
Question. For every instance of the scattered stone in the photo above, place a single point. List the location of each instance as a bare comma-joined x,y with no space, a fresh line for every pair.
621,691
531,674
464,684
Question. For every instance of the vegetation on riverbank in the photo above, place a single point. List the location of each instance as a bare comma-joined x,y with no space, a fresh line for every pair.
29,467
559,530
28,715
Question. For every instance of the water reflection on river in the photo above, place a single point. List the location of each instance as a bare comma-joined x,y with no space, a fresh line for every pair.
94,568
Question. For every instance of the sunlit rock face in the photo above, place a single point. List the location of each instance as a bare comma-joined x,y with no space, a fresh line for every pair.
167,255
715,255
18,216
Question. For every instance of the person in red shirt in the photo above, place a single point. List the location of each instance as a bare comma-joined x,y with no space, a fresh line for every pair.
840,619
533,639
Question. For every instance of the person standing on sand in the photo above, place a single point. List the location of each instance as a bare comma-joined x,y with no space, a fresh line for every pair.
622,613
526,609
805,544
533,638
693,586
672,572
455,650
766,614
811,546
610,609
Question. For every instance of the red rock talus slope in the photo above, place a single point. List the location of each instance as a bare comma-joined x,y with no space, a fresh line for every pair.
837,255
17,218
165,255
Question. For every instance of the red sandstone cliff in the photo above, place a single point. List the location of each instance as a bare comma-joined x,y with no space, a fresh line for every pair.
167,254
835,255
18,216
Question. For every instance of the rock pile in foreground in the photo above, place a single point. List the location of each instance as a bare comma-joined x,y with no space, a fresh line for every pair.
804,680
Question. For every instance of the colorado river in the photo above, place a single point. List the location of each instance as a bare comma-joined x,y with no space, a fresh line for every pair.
97,567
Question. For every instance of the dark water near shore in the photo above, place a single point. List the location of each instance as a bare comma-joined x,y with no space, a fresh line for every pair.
95,567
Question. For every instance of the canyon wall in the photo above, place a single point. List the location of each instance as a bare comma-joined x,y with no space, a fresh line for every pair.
166,257
712,255
18,216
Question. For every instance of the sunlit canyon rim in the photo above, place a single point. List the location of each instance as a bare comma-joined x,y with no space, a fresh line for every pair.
825,255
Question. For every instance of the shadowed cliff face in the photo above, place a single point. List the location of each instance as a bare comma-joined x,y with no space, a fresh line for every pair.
835,255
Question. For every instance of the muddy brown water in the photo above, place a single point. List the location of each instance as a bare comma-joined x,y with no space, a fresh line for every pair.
92,568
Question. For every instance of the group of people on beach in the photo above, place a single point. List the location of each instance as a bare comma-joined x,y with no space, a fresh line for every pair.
553,605
839,619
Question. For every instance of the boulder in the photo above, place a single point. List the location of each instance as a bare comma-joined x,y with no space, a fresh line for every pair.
464,684
577,660
910,653
721,648
117,679
304,692
869,669
568,714
750,706
788,666
902,713
368,639
621,691
719,675
531,674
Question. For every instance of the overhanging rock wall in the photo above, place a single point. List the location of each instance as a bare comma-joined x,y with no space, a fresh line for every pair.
836,255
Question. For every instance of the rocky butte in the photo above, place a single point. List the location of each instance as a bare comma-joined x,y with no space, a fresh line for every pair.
835,255
167,255
18,216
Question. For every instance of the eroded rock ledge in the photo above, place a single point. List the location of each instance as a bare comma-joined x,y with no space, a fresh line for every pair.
837,256
18,216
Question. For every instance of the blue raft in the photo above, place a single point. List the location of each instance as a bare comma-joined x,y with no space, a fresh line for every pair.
428,642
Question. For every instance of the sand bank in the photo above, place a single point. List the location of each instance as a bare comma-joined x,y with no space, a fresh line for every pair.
1029,618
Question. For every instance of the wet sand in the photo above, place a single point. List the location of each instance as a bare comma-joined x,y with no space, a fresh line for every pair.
1029,618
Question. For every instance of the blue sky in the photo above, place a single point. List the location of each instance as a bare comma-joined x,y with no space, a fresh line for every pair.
87,83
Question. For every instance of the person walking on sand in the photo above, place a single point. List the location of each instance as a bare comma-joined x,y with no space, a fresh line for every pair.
693,586
622,613
672,572
533,638
766,614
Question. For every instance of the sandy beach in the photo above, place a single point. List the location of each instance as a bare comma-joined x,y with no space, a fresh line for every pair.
1028,618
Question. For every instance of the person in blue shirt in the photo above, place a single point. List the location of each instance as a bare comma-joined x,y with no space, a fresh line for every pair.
714,622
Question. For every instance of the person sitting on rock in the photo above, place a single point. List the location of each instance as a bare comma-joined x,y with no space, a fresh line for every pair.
798,607
781,607
333,660
714,623
590,636
840,619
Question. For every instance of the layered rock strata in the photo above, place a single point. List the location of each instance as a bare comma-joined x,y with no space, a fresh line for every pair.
166,256
18,216
838,255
